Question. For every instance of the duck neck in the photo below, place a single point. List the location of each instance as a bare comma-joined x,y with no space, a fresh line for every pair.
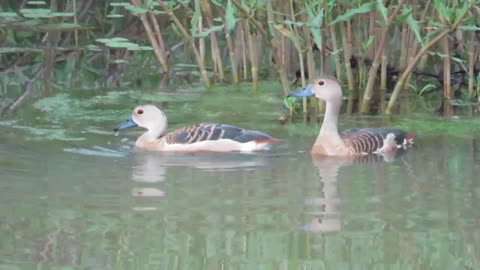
330,121
159,130
156,131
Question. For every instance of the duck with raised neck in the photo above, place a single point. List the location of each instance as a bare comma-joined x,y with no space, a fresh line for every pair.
353,141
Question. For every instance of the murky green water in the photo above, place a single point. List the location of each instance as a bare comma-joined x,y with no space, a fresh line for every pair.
73,196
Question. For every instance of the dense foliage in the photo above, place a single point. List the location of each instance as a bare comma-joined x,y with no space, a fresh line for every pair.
371,46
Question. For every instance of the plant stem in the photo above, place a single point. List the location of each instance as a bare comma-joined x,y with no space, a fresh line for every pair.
253,57
447,91
154,41
216,57
411,65
346,56
162,53
403,47
188,38
231,53
244,49
471,65
309,48
338,65
376,61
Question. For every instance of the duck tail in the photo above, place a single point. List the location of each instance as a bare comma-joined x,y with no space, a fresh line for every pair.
408,141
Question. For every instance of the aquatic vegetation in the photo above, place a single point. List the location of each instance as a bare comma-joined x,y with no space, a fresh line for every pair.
121,43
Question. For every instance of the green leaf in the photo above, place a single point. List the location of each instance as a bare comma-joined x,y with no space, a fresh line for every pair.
114,16
469,28
61,26
102,40
140,48
18,50
413,24
442,9
136,10
157,12
8,14
207,31
365,8
126,45
382,9
315,22
217,3
369,42
427,88
114,39
147,4
120,4
36,3
36,12
62,14
289,102
290,22
93,47
119,39
119,61
196,17
230,19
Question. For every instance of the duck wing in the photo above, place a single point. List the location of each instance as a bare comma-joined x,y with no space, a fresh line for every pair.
371,140
213,132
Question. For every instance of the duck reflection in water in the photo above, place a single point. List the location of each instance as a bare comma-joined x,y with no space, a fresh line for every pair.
328,218
152,167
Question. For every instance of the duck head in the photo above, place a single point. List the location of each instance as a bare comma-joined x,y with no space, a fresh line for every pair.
326,88
146,116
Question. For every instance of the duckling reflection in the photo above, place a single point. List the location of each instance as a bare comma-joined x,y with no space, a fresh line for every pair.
328,220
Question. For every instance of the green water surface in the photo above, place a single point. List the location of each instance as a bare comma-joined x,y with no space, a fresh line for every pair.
74,196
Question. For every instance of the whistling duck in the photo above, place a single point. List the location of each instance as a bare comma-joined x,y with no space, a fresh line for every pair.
199,137
353,141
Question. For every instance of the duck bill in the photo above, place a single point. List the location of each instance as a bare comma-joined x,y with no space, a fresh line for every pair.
305,92
129,123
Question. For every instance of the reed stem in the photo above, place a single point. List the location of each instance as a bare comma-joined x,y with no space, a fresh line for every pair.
155,40
161,44
216,55
378,58
471,65
253,57
189,39
231,53
447,89
401,80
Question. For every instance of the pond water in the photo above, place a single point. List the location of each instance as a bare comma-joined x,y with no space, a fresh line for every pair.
74,196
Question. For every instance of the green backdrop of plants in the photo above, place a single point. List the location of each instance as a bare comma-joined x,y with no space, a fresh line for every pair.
378,49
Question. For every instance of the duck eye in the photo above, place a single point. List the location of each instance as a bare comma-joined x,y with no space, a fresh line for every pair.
321,82
140,111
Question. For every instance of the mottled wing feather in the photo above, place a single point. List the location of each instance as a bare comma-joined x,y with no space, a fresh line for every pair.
213,132
369,140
